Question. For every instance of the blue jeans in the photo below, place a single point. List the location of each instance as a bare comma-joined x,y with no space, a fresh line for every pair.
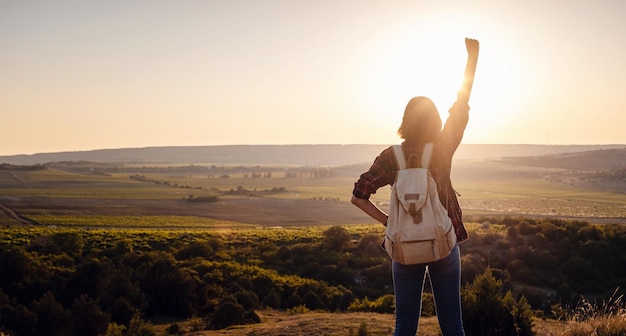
445,279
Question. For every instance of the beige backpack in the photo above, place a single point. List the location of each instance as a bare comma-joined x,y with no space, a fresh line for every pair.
418,229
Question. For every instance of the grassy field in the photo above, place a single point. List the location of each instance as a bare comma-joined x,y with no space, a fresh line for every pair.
540,197
61,184
492,190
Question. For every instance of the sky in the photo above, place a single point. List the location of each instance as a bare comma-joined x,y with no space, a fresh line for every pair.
83,75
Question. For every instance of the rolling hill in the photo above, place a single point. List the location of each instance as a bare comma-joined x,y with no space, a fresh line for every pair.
317,155
603,159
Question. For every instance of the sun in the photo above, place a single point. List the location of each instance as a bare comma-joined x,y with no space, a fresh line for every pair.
427,58
406,67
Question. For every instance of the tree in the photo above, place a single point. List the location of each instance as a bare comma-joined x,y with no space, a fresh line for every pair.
247,299
369,245
272,299
313,301
195,249
15,317
521,316
293,300
122,311
14,267
139,327
88,318
52,318
336,237
92,277
228,313
172,290
486,311
64,242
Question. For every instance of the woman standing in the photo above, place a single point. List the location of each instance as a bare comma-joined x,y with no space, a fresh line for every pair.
421,124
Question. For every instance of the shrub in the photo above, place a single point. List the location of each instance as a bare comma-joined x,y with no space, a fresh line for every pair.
88,318
139,327
487,312
229,313
336,237
113,329
195,249
174,329
383,304
52,318
301,309
363,330
14,267
196,323
428,304
203,199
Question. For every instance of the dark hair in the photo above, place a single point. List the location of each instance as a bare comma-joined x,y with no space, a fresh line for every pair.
421,121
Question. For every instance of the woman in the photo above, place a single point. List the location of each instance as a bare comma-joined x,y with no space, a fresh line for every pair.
421,124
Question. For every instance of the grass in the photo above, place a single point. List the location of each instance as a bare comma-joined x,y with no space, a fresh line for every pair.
605,319
505,195
280,323
163,222
337,187
539,197
60,184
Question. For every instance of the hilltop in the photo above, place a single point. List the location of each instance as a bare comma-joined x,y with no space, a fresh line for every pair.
600,169
603,159
317,155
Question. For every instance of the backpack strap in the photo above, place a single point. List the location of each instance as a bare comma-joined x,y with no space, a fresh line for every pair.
399,154
428,151
397,151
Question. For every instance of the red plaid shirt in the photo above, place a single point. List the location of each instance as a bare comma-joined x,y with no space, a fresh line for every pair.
383,170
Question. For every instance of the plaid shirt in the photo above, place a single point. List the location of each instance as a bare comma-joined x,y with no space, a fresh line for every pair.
383,170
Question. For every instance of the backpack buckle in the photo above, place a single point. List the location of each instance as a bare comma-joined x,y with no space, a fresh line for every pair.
415,213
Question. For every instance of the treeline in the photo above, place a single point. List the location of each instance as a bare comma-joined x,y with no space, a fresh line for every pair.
68,283
570,258
212,171
10,167
77,282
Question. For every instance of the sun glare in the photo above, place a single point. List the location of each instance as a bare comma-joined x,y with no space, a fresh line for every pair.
427,58
406,67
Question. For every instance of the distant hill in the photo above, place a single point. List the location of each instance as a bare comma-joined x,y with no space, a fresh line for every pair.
318,155
604,159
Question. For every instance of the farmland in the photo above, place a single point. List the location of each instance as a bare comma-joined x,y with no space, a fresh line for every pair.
269,224
285,196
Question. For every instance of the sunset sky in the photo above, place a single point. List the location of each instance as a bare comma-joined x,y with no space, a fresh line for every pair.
82,75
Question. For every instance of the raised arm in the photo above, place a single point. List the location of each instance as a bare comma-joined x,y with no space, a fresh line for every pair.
472,47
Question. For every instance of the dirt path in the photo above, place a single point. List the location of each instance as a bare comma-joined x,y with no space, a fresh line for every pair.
13,215
258,211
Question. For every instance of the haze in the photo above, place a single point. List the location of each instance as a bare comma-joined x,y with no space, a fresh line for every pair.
81,75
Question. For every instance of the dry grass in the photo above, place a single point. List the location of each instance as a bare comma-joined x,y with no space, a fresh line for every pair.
278,323
605,319
549,327
602,326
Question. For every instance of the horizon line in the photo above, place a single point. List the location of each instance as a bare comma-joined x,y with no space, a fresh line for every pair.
293,144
